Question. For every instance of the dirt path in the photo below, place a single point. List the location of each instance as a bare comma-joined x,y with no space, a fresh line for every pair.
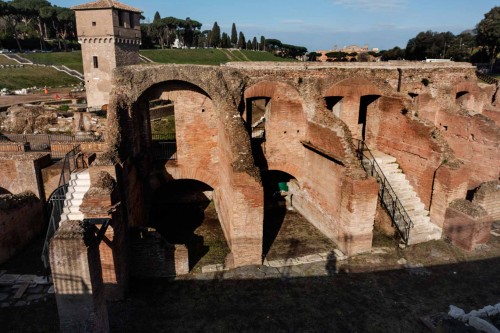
9,100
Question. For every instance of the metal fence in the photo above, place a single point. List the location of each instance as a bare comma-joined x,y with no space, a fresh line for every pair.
43,142
164,146
400,218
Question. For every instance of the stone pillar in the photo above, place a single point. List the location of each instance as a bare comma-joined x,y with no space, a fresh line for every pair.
449,184
97,203
467,224
488,197
77,276
357,214
240,208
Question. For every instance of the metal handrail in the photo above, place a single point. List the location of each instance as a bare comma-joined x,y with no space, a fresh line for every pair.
56,200
486,78
400,217
55,206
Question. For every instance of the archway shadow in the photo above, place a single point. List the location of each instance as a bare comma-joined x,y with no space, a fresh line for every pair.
274,207
177,210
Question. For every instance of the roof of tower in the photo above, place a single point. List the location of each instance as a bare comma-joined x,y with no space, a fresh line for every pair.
106,4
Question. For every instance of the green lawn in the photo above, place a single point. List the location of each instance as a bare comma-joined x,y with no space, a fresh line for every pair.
262,56
70,59
6,61
207,56
197,56
16,78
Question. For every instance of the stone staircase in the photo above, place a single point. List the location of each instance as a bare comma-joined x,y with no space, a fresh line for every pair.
17,58
78,185
69,71
423,229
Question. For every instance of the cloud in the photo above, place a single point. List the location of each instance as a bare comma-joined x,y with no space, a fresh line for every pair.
373,5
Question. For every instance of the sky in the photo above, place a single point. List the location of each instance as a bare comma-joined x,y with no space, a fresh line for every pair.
323,24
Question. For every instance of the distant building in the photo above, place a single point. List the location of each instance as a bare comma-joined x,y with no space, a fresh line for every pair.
347,49
110,34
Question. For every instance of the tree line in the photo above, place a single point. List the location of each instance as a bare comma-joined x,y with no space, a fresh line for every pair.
172,32
35,24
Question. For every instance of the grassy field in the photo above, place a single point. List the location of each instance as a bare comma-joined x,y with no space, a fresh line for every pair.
70,59
6,61
16,78
207,56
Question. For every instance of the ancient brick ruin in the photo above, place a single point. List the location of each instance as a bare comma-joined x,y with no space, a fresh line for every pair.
435,120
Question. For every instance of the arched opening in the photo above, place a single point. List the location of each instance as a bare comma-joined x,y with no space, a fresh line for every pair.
175,107
4,191
366,102
254,115
287,233
183,212
334,103
461,94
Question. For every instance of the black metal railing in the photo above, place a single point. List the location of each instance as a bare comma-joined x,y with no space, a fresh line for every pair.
73,160
163,137
486,78
164,146
55,205
44,142
390,201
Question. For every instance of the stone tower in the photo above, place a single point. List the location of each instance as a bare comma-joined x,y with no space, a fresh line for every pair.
110,34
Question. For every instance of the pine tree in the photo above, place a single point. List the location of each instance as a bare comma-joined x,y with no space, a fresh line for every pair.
223,41
157,17
215,36
241,41
228,41
234,36
262,43
254,44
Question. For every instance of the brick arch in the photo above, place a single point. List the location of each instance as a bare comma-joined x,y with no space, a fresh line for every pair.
198,174
465,86
292,170
359,86
157,89
271,89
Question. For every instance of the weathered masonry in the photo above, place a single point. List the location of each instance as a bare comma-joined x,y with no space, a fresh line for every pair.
110,34
432,130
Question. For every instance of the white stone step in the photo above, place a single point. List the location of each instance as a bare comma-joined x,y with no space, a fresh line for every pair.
71,209
75,216
423,229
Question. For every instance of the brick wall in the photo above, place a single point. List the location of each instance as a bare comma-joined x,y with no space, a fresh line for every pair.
152,257
411,143
467,224
475,141
21,172
77,277
21,219
488,197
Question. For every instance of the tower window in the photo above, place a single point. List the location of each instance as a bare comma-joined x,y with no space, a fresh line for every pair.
120,18
131,19
94,23
96,62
